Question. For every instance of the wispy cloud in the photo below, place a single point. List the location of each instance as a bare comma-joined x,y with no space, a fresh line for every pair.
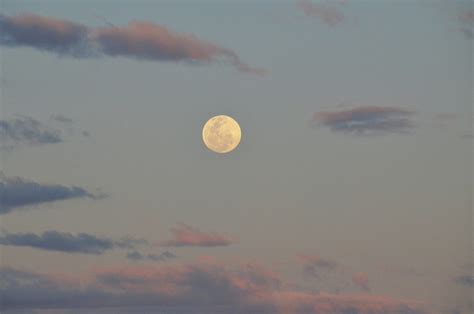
148,41
466,21
61,118
139,40
18,193
330,275
27,131
313,263
465,280
163,257
185,235
361,280
366,120
329,12
67,242
245,288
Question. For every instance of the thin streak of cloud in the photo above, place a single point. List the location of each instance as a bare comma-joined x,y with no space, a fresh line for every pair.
163,257
366,120
29,131
61,118
148,41
465,280
313,262
19,193
21,131
67,242
361,280
185,235
465,19
140,40
329,13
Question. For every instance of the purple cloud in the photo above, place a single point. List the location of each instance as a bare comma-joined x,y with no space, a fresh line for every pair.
366,120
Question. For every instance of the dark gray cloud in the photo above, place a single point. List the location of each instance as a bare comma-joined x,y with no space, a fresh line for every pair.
193,288
366,120
465,280
26,130
137,256
16,193
66,242
139,40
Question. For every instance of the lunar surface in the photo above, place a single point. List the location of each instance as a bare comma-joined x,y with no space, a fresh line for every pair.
221,134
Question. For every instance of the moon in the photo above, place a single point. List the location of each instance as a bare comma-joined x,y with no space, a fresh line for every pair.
221,134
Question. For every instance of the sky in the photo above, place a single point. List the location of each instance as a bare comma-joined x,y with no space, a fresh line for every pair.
350,191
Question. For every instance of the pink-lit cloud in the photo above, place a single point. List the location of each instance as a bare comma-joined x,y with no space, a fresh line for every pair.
242,288
466,23
361,280
140,40
185,235
148,41
466,16
329,13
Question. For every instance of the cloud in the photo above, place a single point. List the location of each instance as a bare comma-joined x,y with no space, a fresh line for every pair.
443,119
467,32
61,118
467,136
137,256
466,16
466,21
26,130
466,280
366,120
328,13
205,288
361,280
44,33
67,242
139,40
185,235
16,193
148,41
313,263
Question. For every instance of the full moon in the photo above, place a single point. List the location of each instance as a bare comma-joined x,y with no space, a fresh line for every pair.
221,134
